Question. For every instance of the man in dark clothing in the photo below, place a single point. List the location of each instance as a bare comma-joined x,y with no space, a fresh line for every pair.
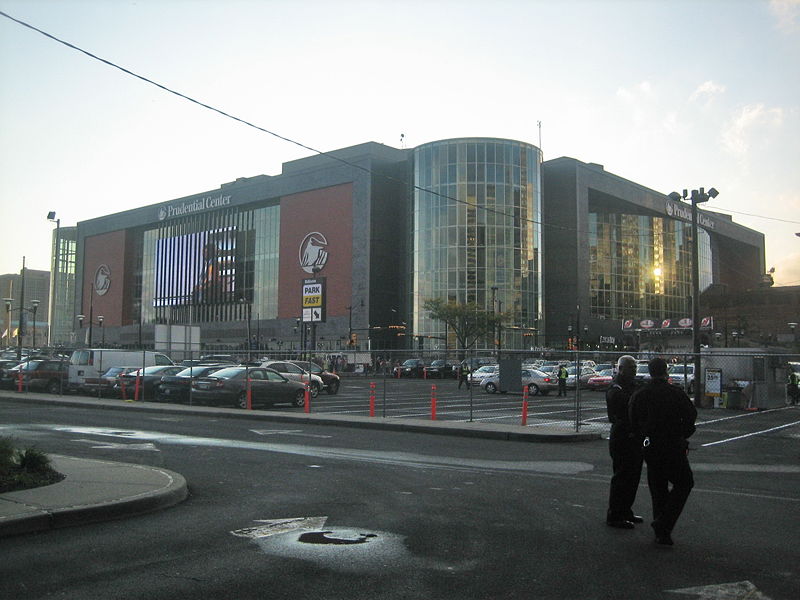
664,416
625,448
562,375
463,374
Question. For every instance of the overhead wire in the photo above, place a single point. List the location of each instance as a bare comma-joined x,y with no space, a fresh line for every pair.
305,146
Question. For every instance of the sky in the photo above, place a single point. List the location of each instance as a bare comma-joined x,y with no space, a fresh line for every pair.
670,94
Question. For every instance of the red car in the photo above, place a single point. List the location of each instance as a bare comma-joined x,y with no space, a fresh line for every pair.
601,381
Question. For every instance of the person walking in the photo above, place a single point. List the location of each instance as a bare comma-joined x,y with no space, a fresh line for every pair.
793,387
624,446
463,374
664,417
562,379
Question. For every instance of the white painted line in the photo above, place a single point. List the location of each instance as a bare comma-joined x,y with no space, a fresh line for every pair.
747,435
747,414
739,590
288,432
277,526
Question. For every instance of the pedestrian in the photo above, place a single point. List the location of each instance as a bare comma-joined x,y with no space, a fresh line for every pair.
562,379
664,417
793,386
624,447
463,374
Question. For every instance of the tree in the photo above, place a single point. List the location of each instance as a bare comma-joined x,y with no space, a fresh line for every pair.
468,321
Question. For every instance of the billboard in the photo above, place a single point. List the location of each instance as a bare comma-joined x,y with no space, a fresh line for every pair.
199,268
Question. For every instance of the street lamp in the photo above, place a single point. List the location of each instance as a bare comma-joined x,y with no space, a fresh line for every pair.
8,302
100,319
696,197
33,309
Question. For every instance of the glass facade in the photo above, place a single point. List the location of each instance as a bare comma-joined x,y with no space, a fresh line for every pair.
640,266
62,281
476,225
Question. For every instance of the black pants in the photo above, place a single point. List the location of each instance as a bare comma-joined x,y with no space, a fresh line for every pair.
562,387
665,467
626,460
463,379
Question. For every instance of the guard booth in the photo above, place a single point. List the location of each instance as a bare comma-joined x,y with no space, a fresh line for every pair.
510,375
749,377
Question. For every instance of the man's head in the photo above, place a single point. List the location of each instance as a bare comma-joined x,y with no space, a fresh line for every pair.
626,366
657,368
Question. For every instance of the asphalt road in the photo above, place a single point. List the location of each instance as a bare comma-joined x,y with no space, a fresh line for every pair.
408,515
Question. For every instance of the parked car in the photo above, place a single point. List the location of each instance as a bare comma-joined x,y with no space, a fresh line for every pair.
442,368
104,385
413,367
331,382
291,370
5,366
229,387
642,373
148,381
477,376
538,382
586,373
38,375
682,376
601,380
175,388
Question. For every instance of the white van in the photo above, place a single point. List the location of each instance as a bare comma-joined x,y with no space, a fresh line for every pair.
92,363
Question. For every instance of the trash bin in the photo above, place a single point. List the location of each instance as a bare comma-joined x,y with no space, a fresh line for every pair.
734,398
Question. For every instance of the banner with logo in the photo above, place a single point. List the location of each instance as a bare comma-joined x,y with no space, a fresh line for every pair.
685,323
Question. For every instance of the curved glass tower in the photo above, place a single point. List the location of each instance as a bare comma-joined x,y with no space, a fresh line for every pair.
476,235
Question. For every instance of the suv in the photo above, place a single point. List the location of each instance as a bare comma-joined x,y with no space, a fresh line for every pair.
47,375
413,367
330,381
442,368
290,370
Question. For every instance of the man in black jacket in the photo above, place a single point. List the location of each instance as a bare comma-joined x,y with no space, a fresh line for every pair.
664,416
624,447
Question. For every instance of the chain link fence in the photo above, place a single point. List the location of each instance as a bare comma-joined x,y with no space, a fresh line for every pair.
470,386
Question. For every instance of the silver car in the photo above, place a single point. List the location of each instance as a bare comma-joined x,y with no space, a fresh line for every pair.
481,373
536,381
293,371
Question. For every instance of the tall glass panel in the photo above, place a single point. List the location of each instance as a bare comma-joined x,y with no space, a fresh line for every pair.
640,266
476,234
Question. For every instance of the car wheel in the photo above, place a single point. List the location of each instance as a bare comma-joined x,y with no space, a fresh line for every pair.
491,388
241,401
533,389
333,388
53,387
299,398
314,390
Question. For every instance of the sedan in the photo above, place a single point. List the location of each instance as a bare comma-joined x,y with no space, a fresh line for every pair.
413,367
148,381
229,387
291,370
330,381
477,376
537,382
601,380
442,368
175,388
104,385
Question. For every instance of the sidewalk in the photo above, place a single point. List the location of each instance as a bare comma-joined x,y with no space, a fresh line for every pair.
97,490
93,490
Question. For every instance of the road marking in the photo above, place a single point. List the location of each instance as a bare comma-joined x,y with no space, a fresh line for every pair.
747,435
277,526
288,432
739,590
116,446
740,416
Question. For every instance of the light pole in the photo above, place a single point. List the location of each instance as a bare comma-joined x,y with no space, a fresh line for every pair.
495,339
9,302
80,321
696,197
54,276
21,304
100,319
793,327
33,309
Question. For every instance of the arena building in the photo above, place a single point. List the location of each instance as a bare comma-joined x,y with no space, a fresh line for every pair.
352,242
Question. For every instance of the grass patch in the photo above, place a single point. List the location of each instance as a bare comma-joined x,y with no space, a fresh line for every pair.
24,469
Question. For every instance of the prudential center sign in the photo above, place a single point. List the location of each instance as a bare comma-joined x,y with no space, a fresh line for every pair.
192,206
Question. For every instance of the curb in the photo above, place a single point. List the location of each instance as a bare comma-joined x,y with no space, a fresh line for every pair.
34,518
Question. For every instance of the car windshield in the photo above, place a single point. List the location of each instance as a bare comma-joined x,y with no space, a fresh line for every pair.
606,373
681,369
485,369
411,362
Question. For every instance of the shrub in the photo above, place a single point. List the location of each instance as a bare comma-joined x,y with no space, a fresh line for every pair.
25,469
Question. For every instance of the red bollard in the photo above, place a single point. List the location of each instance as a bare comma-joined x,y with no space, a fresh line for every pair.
424,372
525,406
307,408
433,402
371,398
19,380
136,391
249,395
122,389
